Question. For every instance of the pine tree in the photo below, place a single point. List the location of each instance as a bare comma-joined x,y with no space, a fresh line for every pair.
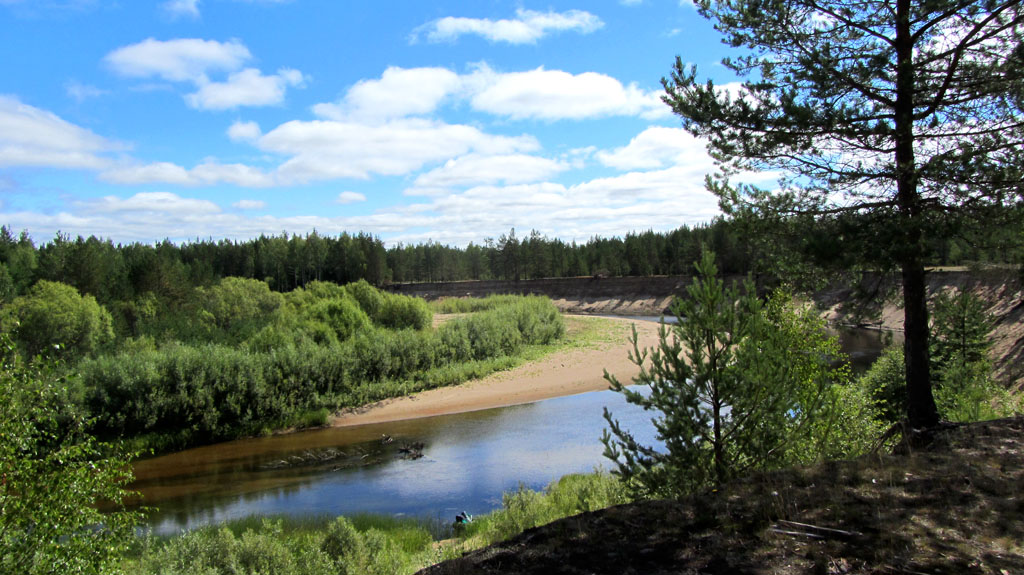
734,385
907,112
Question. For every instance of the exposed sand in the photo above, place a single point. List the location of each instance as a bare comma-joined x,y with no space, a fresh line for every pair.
566,372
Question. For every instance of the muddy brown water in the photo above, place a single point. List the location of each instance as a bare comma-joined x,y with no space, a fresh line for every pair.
467,461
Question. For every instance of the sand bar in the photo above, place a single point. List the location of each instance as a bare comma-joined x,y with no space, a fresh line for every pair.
567,372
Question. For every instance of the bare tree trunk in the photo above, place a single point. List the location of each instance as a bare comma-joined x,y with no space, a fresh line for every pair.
921,410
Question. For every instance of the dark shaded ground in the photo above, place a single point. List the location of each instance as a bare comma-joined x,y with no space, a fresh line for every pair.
955,507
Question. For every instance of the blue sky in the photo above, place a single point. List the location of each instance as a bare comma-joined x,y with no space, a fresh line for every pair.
413,121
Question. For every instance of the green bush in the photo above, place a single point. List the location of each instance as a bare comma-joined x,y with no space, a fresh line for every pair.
343,544
298,367
54,319
524,508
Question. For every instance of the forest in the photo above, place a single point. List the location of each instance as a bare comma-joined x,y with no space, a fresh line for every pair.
118,275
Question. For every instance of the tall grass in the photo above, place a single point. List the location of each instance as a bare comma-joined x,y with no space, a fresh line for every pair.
364,543
472,304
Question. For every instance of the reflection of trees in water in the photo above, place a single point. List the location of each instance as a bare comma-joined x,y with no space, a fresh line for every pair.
220,491
864,346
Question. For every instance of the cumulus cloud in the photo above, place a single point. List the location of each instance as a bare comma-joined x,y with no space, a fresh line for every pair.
248,87
350,197
476,169
181,60
657,147
193,60
151,202
322,150
555,94
399,92
208,173
244,131
535,94
661,200
32,137
526,28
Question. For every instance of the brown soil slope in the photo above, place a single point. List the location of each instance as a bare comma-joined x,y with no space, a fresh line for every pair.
957,507
873,301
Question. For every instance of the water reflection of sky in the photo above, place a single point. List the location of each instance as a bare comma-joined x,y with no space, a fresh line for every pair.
469,461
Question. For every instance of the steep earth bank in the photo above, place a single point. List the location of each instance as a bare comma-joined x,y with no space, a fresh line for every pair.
871,301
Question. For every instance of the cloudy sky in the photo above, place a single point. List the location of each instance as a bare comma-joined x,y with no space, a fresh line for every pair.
446,121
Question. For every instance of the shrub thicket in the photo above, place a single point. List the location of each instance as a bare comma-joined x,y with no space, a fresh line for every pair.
321,351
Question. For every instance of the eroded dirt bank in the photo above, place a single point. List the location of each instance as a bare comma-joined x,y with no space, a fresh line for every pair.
874,301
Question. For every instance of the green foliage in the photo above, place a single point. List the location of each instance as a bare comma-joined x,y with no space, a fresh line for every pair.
524,508
364,543
54,319
218,551
236,308
964,389
960,329
278,547
885,383
736,384
471,304
300,367
343,544
902,118
52,476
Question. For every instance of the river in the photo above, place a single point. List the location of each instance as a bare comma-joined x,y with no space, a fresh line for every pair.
468,461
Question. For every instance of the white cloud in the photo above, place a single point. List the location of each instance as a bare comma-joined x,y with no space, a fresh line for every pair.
193,60
181,60
244,131
658,147
526,28
250,204
156,172
350,197
154,202
208,173
248,87
399,92
322,150
178,8
474,169
555,94
31,137
534,94
660,200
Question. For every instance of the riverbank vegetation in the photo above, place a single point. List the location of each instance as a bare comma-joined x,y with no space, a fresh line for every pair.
369,544
235,358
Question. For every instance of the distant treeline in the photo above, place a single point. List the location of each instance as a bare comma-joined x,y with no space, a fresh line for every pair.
122,272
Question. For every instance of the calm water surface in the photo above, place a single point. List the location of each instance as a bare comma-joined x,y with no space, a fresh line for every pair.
468,461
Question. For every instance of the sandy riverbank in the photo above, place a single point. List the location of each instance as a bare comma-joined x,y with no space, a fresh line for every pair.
567,372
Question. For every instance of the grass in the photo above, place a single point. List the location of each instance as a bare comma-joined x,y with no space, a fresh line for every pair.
381,544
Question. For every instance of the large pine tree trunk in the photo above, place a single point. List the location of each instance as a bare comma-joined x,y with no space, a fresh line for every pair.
921,410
